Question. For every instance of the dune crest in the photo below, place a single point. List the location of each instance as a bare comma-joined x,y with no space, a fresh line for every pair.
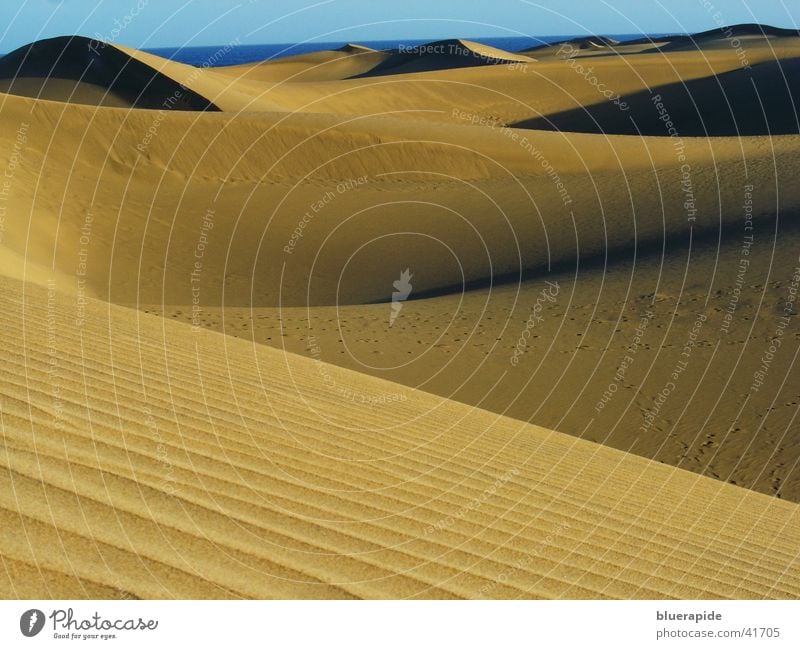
355,48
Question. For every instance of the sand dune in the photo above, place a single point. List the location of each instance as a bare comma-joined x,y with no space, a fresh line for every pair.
581,355
141,460
586,43
745,33
760,100
84,71
472,203
726,37
344,433
508,93
744,40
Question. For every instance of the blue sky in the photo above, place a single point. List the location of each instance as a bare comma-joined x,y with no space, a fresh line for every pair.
161,23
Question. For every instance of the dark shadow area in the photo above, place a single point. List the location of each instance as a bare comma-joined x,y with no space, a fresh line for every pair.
732,31
670,248
80,70
760,100
672,41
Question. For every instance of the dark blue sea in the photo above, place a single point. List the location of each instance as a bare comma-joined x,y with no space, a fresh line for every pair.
237,54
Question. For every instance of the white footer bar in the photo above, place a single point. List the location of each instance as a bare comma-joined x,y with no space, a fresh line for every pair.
399,625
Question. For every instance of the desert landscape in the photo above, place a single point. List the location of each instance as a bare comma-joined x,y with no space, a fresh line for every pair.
443,321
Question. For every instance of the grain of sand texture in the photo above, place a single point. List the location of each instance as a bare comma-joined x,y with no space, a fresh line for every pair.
432,323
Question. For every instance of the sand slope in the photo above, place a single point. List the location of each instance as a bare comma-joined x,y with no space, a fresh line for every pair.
581,355
141,460
371,196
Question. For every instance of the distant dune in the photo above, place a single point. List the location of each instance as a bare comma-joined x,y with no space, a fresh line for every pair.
307,327
586,43
445,55
713,37
84,71
343,63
